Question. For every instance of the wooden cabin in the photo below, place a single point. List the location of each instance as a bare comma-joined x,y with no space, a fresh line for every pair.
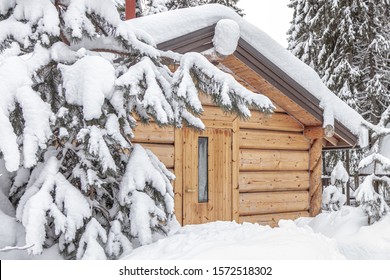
260,170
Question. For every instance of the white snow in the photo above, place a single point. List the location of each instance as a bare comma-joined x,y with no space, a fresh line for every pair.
140,172
227,33
68,208
339,173
90,248
228,240
155,96
116,241
355,239
15,29
163,27
40,12
9,69
343,234
332,198
87,83
37,131
5,5
98,146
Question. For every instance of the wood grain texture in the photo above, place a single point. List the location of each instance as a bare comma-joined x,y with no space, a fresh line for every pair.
273,202
274,181
262,85
152,133
273,160
235,170
273,140
216,114
314,132
219,204
178,170
275,121
207,101
315,190
165,153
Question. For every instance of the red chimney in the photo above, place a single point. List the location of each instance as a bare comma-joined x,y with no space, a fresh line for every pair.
130,9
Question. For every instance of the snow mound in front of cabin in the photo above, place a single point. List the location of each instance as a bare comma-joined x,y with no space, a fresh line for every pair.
229,240
355,238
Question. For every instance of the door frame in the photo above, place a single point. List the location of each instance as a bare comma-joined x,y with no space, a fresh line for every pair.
220,148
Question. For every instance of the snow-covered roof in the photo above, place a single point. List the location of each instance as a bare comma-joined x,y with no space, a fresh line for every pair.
170,25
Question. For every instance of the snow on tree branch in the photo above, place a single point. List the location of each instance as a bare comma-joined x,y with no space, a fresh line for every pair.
373,158
90,248
66,109
222,87
87,83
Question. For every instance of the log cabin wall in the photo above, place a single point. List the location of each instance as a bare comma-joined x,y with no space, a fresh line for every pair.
273,169
270,163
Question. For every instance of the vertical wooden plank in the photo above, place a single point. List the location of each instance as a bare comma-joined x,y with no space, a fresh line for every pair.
213,205
178,169
315,190
235,170
195,213
188,187
228,171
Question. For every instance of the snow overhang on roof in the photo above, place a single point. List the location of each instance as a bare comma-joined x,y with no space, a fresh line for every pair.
192,29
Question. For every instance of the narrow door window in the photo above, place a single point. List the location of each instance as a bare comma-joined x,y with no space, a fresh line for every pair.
203,188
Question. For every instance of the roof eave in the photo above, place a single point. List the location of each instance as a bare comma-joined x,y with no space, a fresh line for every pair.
201,40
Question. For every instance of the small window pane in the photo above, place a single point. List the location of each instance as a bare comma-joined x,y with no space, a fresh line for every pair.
203,189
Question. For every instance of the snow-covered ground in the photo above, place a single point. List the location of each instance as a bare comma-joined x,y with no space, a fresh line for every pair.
337,235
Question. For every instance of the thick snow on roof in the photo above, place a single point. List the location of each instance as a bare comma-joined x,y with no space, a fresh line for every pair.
169,25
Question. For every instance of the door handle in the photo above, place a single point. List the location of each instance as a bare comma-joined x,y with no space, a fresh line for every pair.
190,190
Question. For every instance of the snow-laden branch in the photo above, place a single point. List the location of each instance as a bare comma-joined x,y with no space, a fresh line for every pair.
384,161
377,129
222,87
12,248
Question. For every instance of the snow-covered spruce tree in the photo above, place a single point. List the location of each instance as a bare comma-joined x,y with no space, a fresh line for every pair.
177,4
346,42
372,58
370,193
302,36
143,7
149,7
332,196
71,76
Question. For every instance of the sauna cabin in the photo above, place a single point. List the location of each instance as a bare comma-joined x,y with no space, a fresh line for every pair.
259,170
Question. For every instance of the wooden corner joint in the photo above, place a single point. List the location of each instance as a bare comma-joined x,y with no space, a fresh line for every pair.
314,132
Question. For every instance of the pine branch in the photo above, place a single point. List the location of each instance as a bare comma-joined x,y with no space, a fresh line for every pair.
11,248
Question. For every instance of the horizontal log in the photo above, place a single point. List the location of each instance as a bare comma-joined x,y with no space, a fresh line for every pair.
275,121
273,160
216,114
265,139
273,202
218,124
152,133
273,219
207,101
165,153
273,181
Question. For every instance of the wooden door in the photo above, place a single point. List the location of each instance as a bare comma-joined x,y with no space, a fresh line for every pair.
207,175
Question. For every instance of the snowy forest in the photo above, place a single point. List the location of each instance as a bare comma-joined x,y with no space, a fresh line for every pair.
67,162
75,80
347,43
